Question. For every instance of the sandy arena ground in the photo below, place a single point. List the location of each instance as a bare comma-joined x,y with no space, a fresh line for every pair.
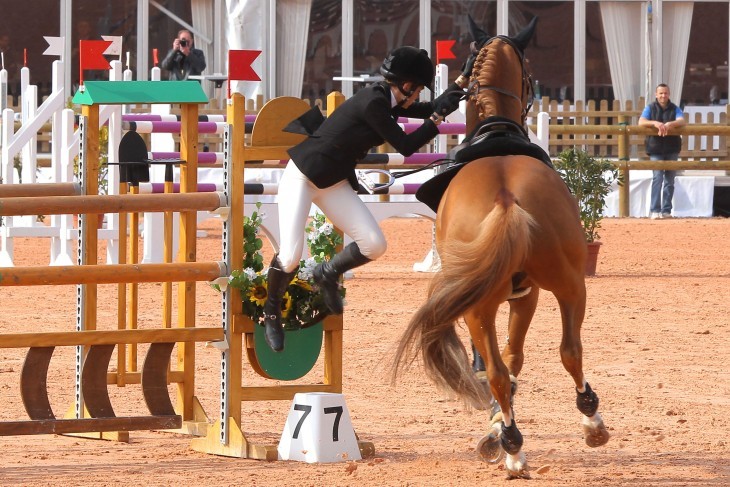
656,343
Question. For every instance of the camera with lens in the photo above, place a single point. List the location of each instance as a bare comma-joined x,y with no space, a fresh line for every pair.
183,42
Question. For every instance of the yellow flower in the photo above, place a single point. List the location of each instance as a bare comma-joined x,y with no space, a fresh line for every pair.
259,293
286,305
302,284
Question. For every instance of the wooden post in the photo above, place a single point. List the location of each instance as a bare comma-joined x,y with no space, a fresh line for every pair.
133,288
122,293
236,111
623,156
187,253
333,324
226,436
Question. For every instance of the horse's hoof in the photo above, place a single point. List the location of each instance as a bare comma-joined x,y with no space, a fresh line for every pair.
490,449
516,466
595,431
597,436
521,474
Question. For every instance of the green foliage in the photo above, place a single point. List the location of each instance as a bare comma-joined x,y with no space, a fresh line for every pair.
301,302
590,180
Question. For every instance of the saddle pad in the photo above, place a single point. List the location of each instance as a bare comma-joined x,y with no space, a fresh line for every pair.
495,144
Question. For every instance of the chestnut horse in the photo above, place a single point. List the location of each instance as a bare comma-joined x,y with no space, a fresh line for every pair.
503,221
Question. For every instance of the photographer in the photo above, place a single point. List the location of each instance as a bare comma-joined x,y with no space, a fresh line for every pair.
183,59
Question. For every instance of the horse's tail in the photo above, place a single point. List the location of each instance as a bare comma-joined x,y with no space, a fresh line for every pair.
469,270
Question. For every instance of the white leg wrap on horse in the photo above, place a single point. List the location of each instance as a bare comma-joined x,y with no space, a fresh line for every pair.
594,421
516,465
594,430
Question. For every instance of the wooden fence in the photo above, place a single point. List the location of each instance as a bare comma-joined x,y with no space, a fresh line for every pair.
695,147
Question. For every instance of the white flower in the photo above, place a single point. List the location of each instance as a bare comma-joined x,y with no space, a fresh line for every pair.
249,273
325,229
306,269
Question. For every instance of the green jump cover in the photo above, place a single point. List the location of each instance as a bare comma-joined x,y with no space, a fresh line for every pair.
126,92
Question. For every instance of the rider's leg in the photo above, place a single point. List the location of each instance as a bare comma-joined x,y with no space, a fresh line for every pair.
295,200
278,282
347,212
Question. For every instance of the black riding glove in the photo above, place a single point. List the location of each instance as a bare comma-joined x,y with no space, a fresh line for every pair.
448,101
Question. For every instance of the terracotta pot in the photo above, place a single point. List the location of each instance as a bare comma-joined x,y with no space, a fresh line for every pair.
592,258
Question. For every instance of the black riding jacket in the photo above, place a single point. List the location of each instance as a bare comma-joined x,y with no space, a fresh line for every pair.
364,121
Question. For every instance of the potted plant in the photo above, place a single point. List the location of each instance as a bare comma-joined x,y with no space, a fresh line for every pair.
303,307
590,180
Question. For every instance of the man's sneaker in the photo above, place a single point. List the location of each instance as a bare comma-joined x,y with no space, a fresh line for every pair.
655,216
666,215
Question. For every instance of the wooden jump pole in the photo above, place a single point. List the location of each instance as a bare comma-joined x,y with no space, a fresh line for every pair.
104,274
105,337
65,205
39,189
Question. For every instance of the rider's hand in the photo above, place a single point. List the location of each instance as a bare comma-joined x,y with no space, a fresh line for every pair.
448,101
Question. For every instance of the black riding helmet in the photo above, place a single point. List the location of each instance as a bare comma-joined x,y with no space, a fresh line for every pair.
408,64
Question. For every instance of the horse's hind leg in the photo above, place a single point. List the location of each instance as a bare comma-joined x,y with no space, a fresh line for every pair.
572,310
521,312
505,435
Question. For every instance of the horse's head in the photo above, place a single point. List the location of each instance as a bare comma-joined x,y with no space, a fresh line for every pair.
500,83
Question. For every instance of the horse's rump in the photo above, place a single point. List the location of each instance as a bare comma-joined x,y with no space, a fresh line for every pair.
556,236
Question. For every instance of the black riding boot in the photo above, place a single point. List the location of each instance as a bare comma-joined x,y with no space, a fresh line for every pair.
327,275
278,281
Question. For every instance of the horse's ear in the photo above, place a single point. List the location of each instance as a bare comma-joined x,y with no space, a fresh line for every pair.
477,33
524,37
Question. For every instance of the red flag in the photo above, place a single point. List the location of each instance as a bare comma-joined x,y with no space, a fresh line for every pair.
443,50
239,65
91,56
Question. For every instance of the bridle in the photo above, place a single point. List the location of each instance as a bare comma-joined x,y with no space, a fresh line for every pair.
527,88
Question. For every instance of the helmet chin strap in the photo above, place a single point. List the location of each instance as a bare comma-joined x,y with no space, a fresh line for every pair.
405,93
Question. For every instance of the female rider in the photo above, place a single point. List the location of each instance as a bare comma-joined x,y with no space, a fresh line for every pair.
322,171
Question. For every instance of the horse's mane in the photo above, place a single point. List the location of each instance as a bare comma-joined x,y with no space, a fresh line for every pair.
484,66
492,69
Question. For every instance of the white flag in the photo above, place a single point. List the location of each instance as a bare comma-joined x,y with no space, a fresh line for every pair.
115,49
55,46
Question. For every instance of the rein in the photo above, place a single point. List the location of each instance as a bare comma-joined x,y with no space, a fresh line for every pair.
373,187
527,86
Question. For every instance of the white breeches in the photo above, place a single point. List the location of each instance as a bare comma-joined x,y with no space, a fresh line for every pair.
340,204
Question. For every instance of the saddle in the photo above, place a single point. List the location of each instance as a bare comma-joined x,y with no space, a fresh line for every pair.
495,136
